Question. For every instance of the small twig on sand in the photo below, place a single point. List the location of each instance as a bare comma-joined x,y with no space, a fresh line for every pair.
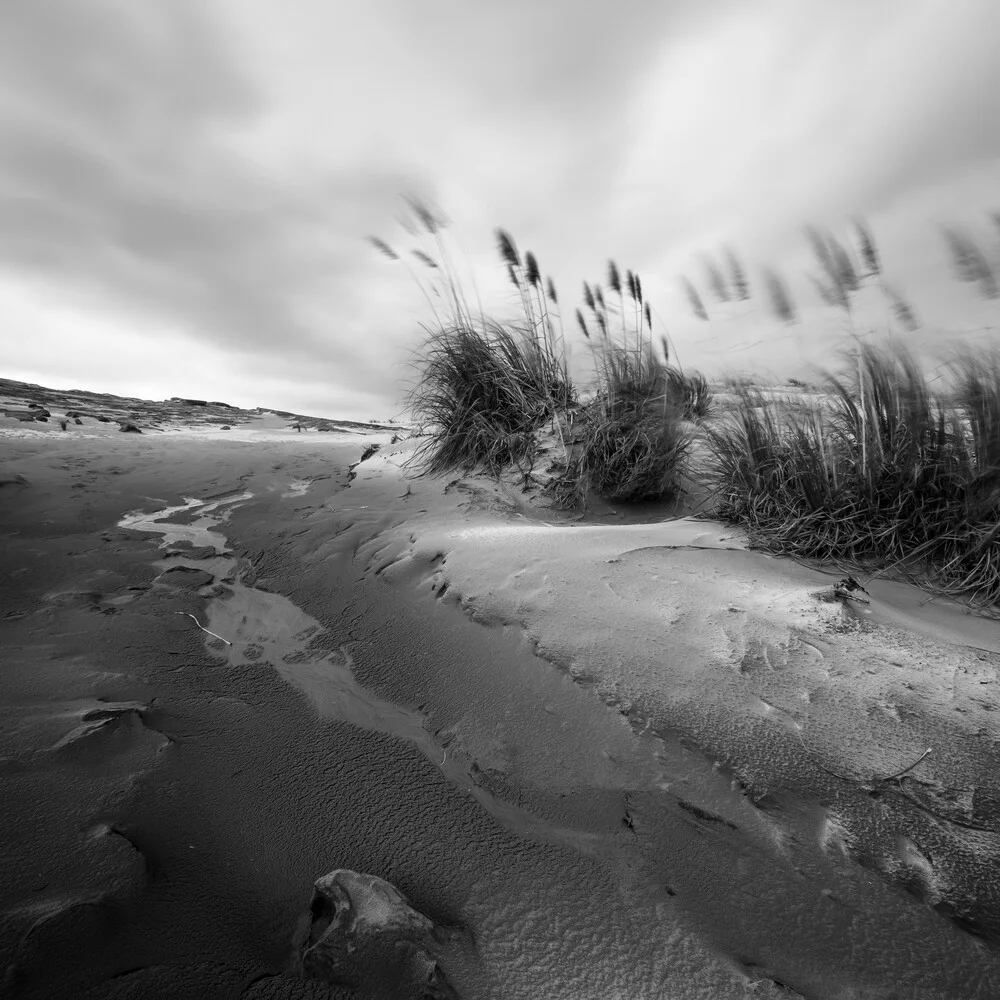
899,774
875,778
202,627
899,789
818,762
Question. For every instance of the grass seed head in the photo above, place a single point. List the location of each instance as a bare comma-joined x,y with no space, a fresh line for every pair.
425,259
432,221
383,248
694,299
903,311
970,263
869,252
778,294
531,274
614,278
716,281
507,248
847,274
737,275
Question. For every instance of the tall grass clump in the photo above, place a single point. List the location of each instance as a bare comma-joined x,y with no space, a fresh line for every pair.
483,388
969,560
635,436
634,432
883,474
487,391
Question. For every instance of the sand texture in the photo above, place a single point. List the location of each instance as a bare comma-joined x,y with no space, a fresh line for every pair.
244,675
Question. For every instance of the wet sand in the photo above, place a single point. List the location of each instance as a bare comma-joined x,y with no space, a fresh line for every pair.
630,761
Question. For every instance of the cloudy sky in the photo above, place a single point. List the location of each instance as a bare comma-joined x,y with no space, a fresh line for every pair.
186,186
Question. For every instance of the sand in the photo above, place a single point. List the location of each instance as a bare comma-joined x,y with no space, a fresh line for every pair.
626,759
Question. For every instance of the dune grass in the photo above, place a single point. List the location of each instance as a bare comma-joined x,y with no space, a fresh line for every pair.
876,472
491,392
634,433
486,390
482,389
881,473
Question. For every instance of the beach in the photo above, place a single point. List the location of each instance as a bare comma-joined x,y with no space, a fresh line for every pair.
616,757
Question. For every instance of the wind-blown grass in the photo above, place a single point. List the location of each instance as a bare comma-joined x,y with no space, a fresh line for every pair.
890,476
878,473
486,390
634,436
691,391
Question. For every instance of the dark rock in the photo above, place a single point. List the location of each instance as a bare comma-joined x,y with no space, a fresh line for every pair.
41,419
63,424
77,420
195,402
8,480
127,427
187,577
225,427
41,411
364,933
104,420
324,427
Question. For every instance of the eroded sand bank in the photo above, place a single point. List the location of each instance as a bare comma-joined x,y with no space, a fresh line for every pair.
633,761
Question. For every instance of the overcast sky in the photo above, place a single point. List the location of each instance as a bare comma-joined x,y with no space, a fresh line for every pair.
186,186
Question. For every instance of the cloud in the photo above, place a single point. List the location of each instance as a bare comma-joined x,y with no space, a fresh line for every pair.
117,176
199,176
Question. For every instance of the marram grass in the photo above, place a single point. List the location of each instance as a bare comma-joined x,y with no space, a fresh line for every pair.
486,391
891,477
878,473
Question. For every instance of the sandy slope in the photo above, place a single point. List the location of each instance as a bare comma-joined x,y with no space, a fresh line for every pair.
748,658
632,760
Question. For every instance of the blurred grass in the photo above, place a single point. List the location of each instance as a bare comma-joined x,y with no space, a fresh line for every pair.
873,470
894,475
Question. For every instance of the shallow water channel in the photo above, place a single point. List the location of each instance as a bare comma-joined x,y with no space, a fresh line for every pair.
257,629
